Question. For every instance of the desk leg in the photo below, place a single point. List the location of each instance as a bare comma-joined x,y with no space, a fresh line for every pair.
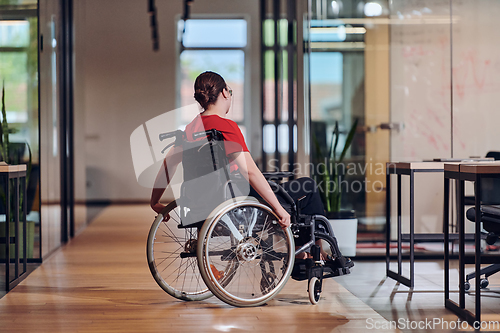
400,255
7,233
16,226
477,190
387,220
25,223
446,231
412,227
461,242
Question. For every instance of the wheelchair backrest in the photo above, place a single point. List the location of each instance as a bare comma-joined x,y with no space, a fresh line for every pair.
206,176
205,156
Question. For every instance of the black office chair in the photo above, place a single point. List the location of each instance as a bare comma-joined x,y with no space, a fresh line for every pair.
490,217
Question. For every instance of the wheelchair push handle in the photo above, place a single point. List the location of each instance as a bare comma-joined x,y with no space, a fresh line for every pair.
178,134
211,134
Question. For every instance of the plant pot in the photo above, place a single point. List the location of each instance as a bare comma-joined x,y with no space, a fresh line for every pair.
345,228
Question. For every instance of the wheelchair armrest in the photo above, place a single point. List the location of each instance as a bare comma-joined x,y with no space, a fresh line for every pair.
277,175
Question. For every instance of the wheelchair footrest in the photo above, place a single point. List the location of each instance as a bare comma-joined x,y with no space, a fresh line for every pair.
303,267
336,272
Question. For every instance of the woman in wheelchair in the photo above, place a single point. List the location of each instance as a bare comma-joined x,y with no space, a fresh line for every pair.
312,231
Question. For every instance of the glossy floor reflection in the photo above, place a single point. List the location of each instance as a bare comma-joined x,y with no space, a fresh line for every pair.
100,282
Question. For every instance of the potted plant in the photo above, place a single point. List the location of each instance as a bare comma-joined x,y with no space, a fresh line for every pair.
330,172
12,153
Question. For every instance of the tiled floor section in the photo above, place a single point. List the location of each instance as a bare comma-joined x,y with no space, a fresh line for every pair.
395,301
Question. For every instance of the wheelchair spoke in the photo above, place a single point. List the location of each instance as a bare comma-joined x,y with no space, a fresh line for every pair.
179,221
172,235
173,261
178,276
190,265
252,223
179,272
253,251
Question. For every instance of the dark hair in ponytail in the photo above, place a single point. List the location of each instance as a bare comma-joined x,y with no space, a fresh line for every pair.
207,87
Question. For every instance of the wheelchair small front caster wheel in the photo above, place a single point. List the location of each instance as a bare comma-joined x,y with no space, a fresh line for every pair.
484,283
314,290
466,286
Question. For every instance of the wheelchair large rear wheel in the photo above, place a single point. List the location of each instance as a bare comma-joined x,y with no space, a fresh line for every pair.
244,255
171,253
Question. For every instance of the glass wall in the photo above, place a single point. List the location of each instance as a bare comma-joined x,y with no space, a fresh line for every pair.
19,80
420,78
51,109
339,38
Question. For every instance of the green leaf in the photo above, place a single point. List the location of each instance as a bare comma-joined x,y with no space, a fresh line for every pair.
336,135
30,164
349,139
5,129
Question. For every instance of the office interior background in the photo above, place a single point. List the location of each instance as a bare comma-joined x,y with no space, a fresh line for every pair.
420,77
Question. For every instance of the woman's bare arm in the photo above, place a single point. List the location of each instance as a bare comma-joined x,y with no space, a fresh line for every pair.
169,165
251,172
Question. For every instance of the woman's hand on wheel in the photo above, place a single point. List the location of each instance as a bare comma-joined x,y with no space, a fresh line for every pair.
284,217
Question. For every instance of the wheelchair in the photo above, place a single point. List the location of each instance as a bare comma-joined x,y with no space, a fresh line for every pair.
239,253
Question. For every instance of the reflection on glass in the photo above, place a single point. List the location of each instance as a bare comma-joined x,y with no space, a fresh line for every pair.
19,76
18,73
269,86
326,92
54,86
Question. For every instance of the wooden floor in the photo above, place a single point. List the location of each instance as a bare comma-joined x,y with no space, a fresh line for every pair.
100,282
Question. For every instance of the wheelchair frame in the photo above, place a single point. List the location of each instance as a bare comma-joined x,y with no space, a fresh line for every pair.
244,246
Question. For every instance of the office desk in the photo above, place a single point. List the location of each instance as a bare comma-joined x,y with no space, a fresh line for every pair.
462,172
409,169
17,173
399,169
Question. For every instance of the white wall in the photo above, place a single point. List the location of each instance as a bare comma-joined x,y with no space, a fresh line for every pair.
445,78
476,77
121,83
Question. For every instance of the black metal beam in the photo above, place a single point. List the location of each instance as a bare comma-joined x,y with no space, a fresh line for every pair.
66,122
291,17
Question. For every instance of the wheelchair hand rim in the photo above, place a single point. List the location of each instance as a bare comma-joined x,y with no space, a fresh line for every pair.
204,249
